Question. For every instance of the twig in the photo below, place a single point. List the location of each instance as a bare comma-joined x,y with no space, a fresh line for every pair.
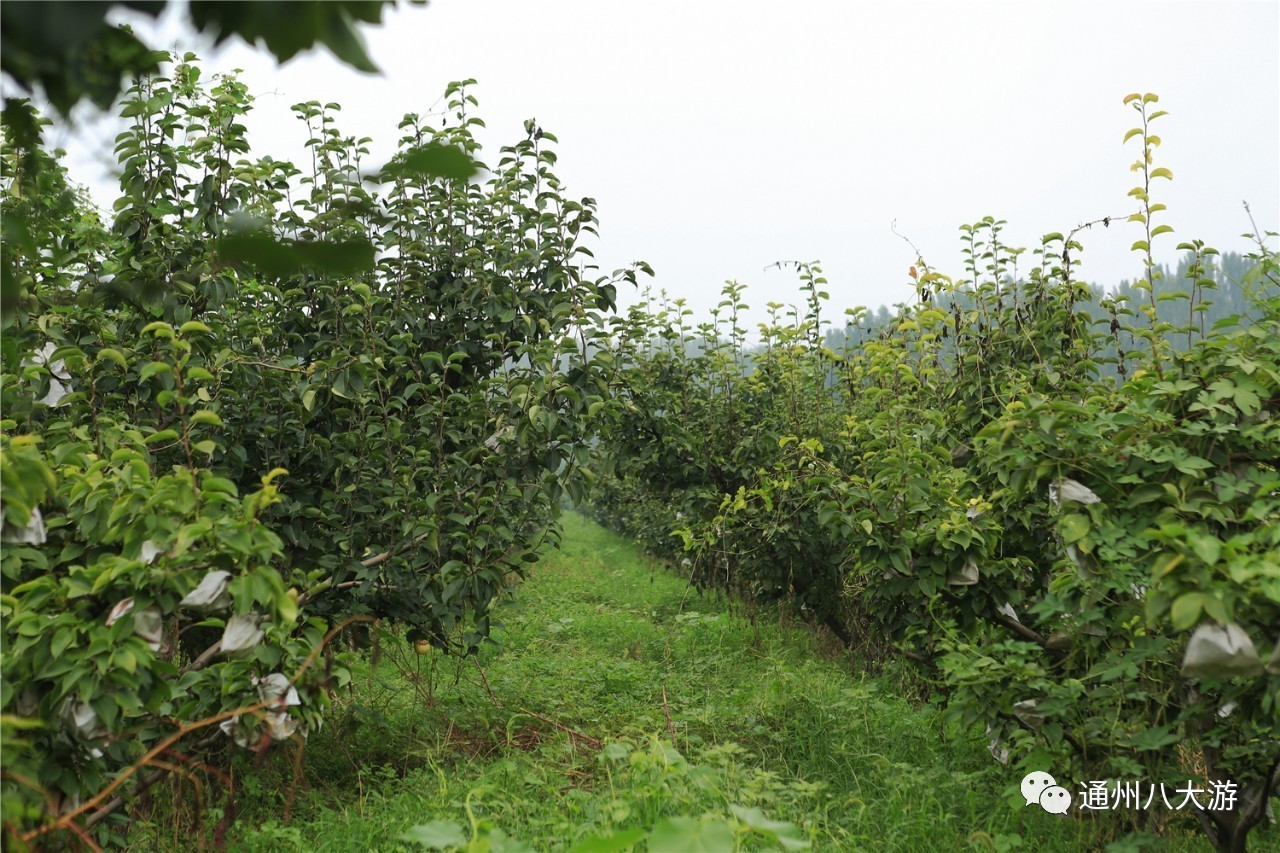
594,743
378,559
116,803
1066,735
666,710
1023,631
205,656
1255,811
146,783
489,689
311,658
272,366
84,836
915,656
49,801
67,821
292,796
368,563
893,226
693,567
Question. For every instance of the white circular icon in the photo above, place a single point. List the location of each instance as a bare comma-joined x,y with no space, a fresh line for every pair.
1034,784
1055,799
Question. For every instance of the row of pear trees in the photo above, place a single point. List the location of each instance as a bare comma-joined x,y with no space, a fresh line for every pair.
1070,529
259,402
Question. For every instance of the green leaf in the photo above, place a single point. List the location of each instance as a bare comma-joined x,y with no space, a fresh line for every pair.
1155,738
345,42
1146,493
614,843
1247,399
152,368
125,659
194,326
1185,611
1207,548
787,834
499,842
1074,527
286,608
290,29
218,484
339,387
433,160
1162,172
207,447
436,835
277,259
160,329
112,355
1191,464
205,416
689,834
1215,609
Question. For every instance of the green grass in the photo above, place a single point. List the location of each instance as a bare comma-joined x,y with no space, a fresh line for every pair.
600,642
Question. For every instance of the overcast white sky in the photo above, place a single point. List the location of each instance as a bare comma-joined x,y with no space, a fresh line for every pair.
719,137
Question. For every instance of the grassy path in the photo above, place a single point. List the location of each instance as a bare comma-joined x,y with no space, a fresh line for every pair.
767,729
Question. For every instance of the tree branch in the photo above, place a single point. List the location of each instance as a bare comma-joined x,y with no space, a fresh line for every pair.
1023,631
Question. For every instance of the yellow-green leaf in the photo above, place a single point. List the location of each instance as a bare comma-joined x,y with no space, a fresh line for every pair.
159,327
1186,610
112,355
1074,527
204,416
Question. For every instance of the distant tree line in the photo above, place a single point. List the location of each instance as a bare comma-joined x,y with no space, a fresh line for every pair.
1218,291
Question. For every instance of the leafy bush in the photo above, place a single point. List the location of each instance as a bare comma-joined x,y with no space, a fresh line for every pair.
1068,522
261,403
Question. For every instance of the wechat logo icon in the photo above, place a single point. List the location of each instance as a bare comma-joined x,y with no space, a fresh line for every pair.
1038,787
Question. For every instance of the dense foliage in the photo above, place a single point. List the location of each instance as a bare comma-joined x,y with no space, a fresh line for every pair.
70,51
261,402
1064,506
